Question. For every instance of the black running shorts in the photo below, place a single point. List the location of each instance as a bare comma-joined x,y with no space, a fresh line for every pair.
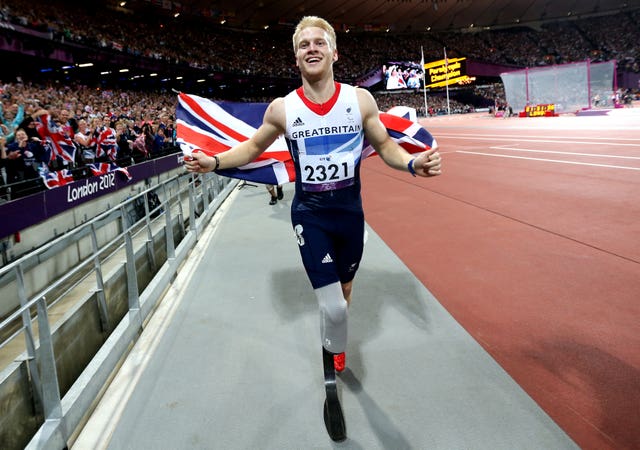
330,243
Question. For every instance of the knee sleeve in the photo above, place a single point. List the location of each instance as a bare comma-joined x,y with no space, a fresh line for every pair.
333,317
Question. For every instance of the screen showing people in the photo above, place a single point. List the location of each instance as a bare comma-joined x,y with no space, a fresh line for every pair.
402,75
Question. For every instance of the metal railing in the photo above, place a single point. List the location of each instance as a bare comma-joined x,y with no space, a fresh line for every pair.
187,204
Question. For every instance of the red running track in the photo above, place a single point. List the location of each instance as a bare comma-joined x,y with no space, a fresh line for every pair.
531,240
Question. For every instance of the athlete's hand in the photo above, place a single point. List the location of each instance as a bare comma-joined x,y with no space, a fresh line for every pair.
199,162
428,164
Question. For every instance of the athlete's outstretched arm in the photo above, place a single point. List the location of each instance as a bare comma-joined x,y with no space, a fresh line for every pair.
425,164
273,125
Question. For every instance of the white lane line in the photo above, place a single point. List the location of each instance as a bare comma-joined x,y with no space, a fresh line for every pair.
549,160
533,136
503,147
520,139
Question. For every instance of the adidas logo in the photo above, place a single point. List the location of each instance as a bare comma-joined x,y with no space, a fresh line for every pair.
327,259
297,123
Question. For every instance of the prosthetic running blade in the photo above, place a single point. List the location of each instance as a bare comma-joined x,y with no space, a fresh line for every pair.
333,416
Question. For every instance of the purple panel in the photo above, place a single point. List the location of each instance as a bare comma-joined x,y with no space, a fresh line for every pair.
24,212
481,69
629,80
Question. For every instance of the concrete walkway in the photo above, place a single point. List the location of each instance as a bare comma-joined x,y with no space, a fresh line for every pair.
232,358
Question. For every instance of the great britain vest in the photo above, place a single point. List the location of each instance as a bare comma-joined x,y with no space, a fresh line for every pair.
325,142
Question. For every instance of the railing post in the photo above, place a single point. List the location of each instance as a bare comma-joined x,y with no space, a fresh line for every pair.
180,208
47,363
149,244
192,207
130,264
29,342
168,226
206,194
100,295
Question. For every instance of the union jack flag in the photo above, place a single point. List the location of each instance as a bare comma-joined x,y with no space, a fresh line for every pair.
103,168
214,127
56,178
106,143
56,141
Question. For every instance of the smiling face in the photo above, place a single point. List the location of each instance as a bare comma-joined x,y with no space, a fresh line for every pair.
315,52
21,136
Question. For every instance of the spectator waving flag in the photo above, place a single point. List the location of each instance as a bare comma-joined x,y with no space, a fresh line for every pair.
55,141
214,127
56,178
103,168
106,144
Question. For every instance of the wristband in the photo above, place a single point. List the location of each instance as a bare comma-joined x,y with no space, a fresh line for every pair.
217,162
410,167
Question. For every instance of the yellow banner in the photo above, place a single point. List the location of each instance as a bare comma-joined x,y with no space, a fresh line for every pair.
445,72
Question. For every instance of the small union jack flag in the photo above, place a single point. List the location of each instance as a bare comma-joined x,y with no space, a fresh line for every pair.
103,168
56,178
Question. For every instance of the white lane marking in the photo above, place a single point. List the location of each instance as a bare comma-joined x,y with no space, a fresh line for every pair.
521,139
533,136
504,147
549,160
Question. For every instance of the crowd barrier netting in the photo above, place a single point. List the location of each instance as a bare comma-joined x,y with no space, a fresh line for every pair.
570,87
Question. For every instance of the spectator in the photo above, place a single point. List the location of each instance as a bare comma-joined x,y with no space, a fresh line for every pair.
23,156
158,142
82,139
10,120
124,143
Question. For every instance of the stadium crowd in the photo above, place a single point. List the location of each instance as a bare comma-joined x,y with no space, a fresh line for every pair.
211,46
47,129
109,125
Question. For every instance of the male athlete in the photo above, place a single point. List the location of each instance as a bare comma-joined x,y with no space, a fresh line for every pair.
325,124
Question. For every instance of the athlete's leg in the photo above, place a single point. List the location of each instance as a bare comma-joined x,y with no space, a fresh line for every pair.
350,243
317,250
319,257
350,248
346,291
272,191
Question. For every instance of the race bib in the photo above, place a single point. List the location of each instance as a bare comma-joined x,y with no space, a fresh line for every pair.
327,172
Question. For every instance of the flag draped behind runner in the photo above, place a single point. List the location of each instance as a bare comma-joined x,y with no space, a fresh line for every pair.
214,127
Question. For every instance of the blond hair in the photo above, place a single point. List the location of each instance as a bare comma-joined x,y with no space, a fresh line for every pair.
314,21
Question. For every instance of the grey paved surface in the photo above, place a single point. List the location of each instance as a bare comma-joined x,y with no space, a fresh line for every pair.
232,358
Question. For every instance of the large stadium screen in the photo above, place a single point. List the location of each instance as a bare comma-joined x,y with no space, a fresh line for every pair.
446,72
402,75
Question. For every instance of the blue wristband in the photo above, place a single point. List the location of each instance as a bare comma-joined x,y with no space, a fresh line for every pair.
410,167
